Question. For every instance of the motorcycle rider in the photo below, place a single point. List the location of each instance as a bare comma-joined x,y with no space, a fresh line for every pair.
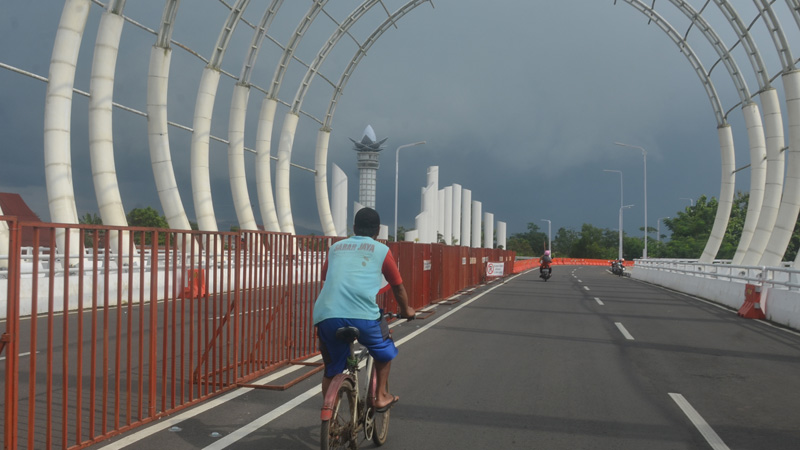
544,263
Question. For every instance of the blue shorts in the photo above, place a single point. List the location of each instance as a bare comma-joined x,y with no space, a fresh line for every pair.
374,334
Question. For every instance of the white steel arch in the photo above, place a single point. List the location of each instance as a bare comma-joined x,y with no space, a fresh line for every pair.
236,124
323,136
204,107
774,139
790,202
321,152
101,139
282,193
753,124
157,123
728,165
57,119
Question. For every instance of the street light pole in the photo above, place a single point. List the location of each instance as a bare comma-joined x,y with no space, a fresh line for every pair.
658,227
620,229
644,155
549,235
620,208
396,180
691,200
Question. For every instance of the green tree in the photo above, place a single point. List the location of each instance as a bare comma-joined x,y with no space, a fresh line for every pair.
90,219
146,218
691,228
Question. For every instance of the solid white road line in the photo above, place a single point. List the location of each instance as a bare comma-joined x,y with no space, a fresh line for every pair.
702,426
274,414
624,332
20,355
599,302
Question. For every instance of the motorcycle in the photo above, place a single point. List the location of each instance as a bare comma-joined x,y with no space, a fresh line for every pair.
617,268
545,271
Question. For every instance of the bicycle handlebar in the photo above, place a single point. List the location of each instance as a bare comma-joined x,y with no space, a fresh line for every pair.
391,315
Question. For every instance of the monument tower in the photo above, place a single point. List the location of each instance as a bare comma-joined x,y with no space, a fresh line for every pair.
368,151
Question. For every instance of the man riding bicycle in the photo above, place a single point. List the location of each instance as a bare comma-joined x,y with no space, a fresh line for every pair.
352,276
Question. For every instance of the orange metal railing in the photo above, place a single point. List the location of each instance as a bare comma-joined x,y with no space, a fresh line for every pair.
139,323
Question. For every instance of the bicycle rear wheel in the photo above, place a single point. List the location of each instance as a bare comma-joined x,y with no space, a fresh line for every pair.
337,433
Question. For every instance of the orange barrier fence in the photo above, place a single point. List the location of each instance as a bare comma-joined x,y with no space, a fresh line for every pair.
133,324
522,265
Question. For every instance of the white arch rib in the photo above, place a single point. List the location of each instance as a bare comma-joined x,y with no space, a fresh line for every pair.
236,126
774,139
236,166
57,117
790,202
321,157
157,125
728,164
266,203
753,124
4,244
101,139
203,111
286,140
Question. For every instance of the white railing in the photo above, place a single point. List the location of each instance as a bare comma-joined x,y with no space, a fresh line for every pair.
774,277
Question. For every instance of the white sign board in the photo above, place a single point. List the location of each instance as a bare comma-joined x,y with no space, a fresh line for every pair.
494,269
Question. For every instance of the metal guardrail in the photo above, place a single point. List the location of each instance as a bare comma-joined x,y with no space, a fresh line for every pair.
773,277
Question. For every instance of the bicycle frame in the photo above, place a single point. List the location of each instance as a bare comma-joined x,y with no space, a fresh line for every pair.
362,406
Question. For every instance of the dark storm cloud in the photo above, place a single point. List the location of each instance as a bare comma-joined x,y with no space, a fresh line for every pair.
519,102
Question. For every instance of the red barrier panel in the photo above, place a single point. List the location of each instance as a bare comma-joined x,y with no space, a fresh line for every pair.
751,309
163,319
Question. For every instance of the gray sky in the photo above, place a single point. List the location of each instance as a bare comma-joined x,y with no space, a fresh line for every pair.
520,102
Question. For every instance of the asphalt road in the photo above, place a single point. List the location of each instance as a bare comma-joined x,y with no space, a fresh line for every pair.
586,360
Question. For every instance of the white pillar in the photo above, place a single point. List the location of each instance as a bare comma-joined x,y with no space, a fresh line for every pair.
283,198
758,177
158,139
456,220
501,235
790,202
440,213
101,134
428,233
321,183
339,200
448,215
411,236
266,199
773,126
420,222
431,206
488,234
58,119
476,224
466,217
4,243
726,192
201,175
236,164
383,233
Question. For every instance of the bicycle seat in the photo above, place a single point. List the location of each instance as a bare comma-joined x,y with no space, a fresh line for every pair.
348,334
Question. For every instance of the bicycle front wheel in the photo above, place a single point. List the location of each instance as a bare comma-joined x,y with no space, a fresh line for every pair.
380,420
381,423
337,433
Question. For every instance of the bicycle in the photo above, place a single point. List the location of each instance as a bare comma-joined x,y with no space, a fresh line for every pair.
345,412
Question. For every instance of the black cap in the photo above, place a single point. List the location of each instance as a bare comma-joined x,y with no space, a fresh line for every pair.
367,222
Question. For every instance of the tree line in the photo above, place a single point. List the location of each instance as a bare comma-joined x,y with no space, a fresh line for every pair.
688,233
